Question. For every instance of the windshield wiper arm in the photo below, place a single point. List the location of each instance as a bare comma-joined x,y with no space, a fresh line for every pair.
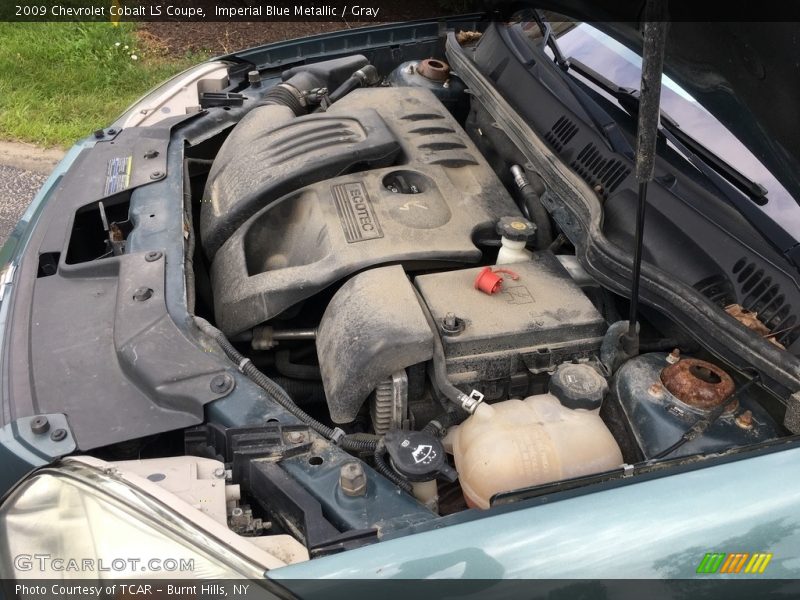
742,193
602,121
548,39
629,100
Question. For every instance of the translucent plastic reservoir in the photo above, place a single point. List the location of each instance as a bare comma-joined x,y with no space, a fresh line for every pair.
521,443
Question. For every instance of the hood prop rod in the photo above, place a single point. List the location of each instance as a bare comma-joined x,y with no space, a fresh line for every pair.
654,43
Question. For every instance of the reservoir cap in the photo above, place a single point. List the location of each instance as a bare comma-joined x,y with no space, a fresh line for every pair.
418,456
578,386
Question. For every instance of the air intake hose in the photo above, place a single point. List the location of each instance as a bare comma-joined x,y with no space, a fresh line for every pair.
279,395
298,82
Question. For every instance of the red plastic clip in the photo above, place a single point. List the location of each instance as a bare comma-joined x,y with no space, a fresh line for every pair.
489,282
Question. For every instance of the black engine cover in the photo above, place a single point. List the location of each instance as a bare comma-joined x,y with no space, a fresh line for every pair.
422,211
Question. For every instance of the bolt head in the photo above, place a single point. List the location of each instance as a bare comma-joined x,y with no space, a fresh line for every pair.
219,472
296,437
99,134
221,383
451,324
40,425
237,512
152,256
745,420
156,175
352,479
58,435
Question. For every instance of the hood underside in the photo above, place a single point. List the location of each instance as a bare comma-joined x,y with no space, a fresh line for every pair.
743,72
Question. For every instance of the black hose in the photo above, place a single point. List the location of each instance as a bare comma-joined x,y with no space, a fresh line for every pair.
301,387
278,394
365,76
283,95
443,422
348,86
530,199
286,367
384,469
538,214
659,345
438,370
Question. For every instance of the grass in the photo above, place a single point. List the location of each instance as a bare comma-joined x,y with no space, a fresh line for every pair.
61,81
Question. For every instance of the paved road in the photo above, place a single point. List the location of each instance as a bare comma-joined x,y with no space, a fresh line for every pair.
23,170
17,189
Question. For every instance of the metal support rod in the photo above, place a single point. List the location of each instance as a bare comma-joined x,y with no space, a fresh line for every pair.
637,258
654,42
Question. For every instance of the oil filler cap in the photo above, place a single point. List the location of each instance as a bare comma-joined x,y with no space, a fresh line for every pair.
578,386
418,456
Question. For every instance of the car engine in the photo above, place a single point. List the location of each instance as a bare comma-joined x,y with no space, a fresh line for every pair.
388,320
379,263
350,244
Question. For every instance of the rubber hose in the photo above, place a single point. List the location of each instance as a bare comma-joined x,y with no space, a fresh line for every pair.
539,215
282,398
365,76
276,392
443,422
286,367
439,366
281,94
300,387
384,469
348,86
659,345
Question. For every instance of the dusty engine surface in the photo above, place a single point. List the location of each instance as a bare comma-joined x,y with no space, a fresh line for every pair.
534,323
375,330
393,179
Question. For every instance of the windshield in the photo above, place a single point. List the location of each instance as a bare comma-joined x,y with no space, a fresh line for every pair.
617,63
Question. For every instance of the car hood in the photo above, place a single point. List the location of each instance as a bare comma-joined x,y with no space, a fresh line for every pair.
744,73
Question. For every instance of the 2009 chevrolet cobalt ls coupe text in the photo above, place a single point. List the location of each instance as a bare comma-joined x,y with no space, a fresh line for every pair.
429,299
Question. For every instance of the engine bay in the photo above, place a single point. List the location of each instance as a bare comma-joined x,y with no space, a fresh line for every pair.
409,298
394,314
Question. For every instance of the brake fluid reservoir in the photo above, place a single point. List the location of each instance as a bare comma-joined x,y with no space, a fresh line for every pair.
522,443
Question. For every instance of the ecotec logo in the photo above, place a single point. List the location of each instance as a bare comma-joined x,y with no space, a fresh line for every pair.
356,214
741,563
47,563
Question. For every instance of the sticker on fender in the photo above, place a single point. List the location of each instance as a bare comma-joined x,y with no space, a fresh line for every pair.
118,174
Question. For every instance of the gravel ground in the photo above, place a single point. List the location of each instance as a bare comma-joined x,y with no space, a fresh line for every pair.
176,38
17,189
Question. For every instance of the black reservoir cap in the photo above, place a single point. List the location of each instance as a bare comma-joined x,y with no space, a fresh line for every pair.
578,386
516,229
418,456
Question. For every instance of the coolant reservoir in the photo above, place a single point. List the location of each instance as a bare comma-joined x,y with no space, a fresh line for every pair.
522,443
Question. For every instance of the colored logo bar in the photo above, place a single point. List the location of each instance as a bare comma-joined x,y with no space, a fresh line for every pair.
721,562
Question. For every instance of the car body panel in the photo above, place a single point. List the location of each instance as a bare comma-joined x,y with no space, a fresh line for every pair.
659,528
